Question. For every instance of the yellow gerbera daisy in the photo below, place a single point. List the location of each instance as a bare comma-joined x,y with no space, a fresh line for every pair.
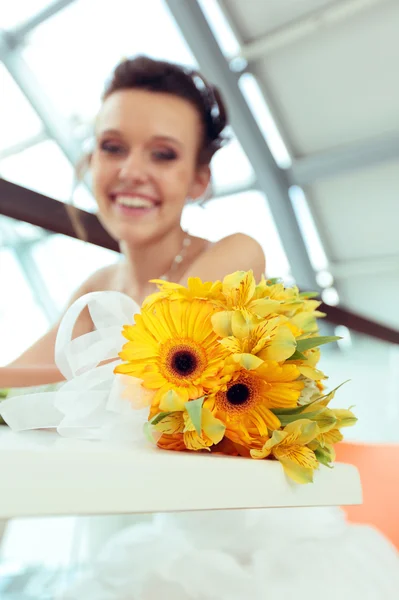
244,403
172,346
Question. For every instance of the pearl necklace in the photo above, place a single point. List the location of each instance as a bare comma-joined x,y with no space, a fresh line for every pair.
178,259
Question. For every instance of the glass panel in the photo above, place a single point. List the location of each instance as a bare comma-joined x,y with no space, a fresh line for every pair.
240,213
12,231
260,110
44,168
16,12
370,367
65,263
231,167
100,39
17,306
18,121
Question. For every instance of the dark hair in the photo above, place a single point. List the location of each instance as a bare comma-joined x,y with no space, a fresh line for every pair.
168,78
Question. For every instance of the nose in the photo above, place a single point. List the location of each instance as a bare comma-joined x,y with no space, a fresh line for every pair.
134,168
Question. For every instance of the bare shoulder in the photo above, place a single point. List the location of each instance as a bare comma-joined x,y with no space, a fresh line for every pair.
104,279
101,280
237,252
238,242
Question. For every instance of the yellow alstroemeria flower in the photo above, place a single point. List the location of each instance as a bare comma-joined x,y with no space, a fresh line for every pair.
179,422
329,421
288,297
196,289
305,317
308,366
333,435
238,292
289,446
254,341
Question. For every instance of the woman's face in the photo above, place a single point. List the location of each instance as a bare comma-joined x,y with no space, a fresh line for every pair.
144,165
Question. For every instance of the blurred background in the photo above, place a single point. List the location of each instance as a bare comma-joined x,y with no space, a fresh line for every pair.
312,171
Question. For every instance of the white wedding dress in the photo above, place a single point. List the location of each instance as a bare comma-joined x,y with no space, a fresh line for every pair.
298,553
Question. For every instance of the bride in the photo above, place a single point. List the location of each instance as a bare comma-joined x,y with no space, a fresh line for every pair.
156,132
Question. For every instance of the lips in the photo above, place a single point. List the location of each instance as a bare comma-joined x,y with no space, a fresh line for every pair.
128,203
134,201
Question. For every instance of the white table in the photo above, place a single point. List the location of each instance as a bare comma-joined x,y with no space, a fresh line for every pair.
44,474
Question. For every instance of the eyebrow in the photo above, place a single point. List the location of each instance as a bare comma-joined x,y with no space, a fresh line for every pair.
161,138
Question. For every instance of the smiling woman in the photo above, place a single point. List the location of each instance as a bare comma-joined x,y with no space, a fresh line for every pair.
157,130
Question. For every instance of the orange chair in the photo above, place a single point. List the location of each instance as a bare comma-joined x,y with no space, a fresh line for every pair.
378,465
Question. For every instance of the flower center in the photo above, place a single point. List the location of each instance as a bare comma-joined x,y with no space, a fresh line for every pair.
184,362
237,394
241,396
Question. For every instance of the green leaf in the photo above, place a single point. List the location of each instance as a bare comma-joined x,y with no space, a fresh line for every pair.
313,342
326,399
325,420
307,295
287,419
297,356
274,280
324,457
147,428
289,411
159,417
194,409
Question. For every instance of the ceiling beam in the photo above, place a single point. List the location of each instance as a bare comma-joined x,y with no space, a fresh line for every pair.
335,161
361,267
24,145
314,22
271,179
18,34
55,125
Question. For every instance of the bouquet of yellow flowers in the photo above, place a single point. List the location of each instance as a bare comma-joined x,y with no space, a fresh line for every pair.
231,367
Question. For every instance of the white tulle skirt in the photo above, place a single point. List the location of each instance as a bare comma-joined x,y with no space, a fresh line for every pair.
299,554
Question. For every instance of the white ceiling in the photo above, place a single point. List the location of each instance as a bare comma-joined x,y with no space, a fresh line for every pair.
359,213
338,85
330,73
258,17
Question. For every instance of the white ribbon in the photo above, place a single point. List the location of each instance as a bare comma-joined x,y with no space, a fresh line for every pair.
90,404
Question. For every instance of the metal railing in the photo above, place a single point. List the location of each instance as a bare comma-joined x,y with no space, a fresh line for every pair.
26,205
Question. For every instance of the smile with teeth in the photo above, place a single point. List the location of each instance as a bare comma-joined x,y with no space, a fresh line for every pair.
134,202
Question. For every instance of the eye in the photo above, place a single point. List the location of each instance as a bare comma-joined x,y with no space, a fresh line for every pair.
164,154
112,147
